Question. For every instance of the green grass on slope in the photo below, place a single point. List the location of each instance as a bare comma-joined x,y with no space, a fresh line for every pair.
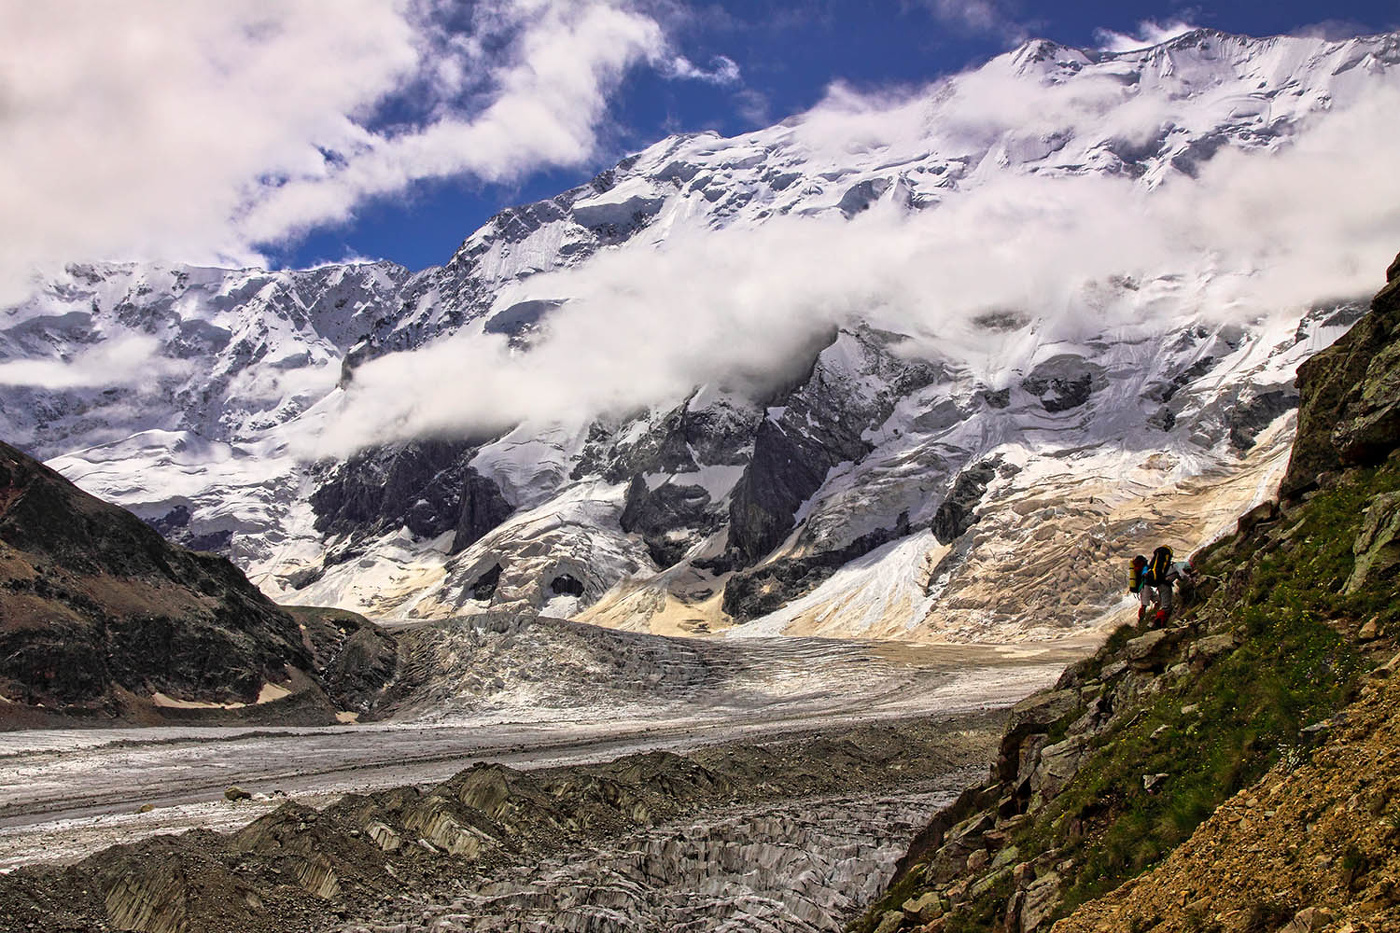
1215,733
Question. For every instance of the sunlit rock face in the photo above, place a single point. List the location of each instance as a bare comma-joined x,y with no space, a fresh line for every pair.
897,464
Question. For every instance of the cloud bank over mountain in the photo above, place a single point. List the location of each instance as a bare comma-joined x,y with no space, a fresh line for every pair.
1251,234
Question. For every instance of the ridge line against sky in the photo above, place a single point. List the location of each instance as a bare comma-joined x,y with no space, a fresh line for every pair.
320,130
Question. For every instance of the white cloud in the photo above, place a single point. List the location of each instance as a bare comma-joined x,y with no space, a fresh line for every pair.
1255,233
128,360
196,130
723,70
1149,33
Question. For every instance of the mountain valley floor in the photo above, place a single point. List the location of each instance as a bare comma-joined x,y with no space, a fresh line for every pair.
69,793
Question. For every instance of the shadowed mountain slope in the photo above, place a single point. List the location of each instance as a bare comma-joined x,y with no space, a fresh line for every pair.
100,615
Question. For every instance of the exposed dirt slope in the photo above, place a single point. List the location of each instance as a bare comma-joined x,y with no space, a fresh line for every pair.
1312,846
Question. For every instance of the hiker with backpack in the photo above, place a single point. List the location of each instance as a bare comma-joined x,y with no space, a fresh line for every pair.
1152,578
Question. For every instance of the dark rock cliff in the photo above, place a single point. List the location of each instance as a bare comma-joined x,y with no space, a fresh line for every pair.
1192,745
1351,396
427,486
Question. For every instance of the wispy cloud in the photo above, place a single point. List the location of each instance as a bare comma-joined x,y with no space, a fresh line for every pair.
128,360
199,131
1149,33
723,70
978,16
1333,29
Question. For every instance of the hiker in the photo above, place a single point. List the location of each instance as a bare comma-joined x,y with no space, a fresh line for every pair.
1183,574
1157,575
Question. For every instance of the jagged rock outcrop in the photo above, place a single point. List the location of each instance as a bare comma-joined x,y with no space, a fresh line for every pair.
819,425
428,487
1351,409
955,516
749,594
671,518
1194,742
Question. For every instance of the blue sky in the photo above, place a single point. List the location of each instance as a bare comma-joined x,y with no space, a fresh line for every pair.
787,54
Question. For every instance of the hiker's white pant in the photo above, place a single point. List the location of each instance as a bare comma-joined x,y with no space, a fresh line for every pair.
1156,594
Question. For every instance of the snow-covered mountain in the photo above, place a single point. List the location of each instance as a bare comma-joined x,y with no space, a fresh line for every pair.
975,482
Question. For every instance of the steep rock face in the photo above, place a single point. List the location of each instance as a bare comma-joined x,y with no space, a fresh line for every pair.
94,602
1192,744
668,518
955,515
853,388
1352,413
428,487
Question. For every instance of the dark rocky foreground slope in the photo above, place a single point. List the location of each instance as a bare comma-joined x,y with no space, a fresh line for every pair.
98,614
1238,770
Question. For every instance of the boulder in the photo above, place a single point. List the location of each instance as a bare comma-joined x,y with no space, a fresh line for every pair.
1212,646
1308,920
1149,651
890,921
1260,514
1042,897
1039,712
1059,763
928,906
1031,717
1377,545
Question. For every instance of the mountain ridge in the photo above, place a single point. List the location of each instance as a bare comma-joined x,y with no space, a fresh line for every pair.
1229,770
249,368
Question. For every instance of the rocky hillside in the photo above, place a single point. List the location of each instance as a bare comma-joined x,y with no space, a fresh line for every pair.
1234,771
100,617
871,480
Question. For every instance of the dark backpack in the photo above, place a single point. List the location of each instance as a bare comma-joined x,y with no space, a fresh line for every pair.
1159,568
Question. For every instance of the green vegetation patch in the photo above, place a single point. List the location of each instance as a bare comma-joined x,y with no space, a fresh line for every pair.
1208,735
1222,730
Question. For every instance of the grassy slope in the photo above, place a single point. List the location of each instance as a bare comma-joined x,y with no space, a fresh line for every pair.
1207,727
